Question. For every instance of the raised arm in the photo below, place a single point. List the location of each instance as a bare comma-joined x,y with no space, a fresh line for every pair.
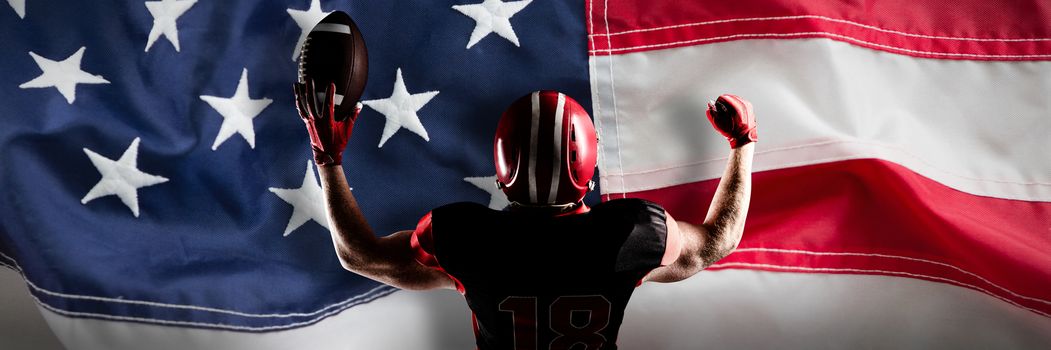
700,246
388,259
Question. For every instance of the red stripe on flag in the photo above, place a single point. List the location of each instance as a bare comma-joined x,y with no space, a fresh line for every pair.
962,29
871,216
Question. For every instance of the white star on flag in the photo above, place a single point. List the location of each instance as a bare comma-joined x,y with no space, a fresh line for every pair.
19,6
237,112
63,75
307,201
306,20
497,198
121,177
165,13
400,109
492,16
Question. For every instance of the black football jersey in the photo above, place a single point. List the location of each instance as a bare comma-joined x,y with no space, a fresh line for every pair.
537,281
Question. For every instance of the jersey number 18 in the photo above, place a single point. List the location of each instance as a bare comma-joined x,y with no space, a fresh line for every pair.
524,313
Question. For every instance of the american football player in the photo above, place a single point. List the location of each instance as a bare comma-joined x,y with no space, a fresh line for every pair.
549,272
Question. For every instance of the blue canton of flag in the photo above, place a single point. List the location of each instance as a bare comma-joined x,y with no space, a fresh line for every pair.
155,169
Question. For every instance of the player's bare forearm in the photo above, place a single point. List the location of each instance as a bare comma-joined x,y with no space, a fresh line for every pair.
352,236
724,224
389,259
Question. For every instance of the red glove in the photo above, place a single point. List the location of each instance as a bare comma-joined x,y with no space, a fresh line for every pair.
328,133
732,116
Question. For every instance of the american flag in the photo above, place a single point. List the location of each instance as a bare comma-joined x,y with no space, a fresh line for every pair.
159,188
160,173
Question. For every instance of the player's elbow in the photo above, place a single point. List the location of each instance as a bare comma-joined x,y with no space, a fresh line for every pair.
377,270
347,261
406,277
721,241
360,256
352,261
411,284
729,242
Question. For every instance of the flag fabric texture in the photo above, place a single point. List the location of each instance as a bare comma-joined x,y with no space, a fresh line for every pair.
897,139
157,171
160,188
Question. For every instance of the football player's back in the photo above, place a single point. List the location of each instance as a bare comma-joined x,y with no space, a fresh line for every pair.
533,278
549,273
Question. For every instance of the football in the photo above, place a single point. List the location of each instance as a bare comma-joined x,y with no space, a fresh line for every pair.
334,52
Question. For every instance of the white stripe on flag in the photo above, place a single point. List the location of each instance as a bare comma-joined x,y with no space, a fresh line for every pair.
746,309
979,127
834,311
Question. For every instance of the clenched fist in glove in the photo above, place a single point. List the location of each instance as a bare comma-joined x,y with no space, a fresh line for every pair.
329,133
732,116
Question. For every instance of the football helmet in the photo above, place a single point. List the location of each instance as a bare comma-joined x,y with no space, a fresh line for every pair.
545,150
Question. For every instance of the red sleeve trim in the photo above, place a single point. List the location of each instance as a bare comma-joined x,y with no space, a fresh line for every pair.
422,243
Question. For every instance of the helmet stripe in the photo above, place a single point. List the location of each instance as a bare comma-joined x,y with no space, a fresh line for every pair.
534,127
556,167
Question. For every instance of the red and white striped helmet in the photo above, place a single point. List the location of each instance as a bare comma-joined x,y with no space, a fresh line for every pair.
545,150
